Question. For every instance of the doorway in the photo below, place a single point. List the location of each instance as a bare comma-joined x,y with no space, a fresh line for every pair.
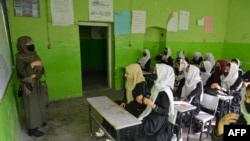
95,49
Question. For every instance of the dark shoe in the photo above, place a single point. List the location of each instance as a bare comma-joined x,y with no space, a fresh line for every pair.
35,132
44,124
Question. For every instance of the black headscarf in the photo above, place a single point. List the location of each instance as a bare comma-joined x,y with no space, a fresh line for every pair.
246,76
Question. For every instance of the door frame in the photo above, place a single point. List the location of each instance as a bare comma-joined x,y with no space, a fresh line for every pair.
109,52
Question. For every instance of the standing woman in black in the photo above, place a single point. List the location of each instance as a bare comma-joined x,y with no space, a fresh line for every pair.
29,71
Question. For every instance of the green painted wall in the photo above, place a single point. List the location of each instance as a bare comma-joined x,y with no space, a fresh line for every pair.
237,39
9,106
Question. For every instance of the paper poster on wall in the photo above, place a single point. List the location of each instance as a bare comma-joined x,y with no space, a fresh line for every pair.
200,22
62,12
184,20
27,8
138,21
208,24
101,10
122,23
172,25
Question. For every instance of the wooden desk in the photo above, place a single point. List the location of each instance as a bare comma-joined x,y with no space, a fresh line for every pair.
116,116
183,107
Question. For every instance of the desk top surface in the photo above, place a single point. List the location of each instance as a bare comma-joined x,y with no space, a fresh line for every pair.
222,96
118,117
225,97
182,106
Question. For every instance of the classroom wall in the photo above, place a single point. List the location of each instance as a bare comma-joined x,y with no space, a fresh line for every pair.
9,127
237,39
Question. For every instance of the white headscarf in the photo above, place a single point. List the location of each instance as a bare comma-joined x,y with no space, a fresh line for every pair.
207,74
229,80
135,77
166,56
144,59
244,110
197,55
181,54
183,65
238,62
164,82
209,57
192,78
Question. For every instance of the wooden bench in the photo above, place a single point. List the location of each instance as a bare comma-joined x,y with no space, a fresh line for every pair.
115,115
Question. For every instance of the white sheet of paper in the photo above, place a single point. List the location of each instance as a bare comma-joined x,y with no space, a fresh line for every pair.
101,10
200,22
172,25
62,12
181,102
138,21
184,20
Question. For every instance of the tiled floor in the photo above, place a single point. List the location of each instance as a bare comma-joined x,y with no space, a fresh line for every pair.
68,119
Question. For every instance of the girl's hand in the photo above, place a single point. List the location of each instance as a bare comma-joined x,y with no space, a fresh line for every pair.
33,76
36,63
149,102
215,86
226,120
139,99
123,105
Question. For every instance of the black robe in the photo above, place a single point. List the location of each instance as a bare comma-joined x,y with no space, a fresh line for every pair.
154,127
235,102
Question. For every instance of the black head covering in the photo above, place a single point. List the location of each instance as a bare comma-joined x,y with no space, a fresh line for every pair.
246,76
23,53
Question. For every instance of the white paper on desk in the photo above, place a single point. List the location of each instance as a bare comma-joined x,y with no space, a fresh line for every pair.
180,103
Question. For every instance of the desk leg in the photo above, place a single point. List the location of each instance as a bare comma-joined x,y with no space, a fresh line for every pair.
189,128
179,134
221,109
228,106
90,122
118,135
